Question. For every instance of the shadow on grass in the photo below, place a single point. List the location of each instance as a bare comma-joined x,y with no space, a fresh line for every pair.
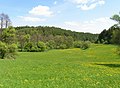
110,65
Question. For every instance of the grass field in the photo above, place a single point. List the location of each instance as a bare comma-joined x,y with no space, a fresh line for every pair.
97,67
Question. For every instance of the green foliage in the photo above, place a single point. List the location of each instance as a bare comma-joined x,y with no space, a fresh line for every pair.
68,42
60,42
63,42
85,45
63,46
46,33
51,44
41,46
23,39
9,35
27,38
7,51
12,49
116,17
77,44
116,37
110,36
3,49
37,47
53,37
8,43
28,46
82,44
34,49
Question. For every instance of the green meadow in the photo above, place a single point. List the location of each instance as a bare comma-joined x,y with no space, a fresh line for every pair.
96,67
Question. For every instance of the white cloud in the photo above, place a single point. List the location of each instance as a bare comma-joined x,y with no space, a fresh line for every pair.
35,16
72,23
87,4
31,19
41,11
85,7
80,1
101,2
55,2
94,26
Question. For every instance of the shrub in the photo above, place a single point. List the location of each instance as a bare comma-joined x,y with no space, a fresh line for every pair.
41,46
3,50
7,51
77,44
85,45
34,49
28,46
38,47
11,51
63,46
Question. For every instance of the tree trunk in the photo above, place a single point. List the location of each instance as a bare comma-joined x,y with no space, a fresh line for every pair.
1,23
1,28
6,25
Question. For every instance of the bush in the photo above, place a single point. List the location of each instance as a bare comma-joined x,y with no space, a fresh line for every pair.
34,49
3,50
7,51
41,46
77,44
63,46
28,46
81,44
11,51
38,47
85,45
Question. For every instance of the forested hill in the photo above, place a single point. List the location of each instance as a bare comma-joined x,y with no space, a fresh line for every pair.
45,33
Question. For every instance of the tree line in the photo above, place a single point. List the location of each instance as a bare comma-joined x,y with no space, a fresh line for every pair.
41,38
38,39
29,38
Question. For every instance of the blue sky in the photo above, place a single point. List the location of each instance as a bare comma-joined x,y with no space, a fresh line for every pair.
76,15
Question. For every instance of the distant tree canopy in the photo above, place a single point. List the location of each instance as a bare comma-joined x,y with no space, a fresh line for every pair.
53,37
49,32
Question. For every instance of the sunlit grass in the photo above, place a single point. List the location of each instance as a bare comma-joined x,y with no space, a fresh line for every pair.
97,67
